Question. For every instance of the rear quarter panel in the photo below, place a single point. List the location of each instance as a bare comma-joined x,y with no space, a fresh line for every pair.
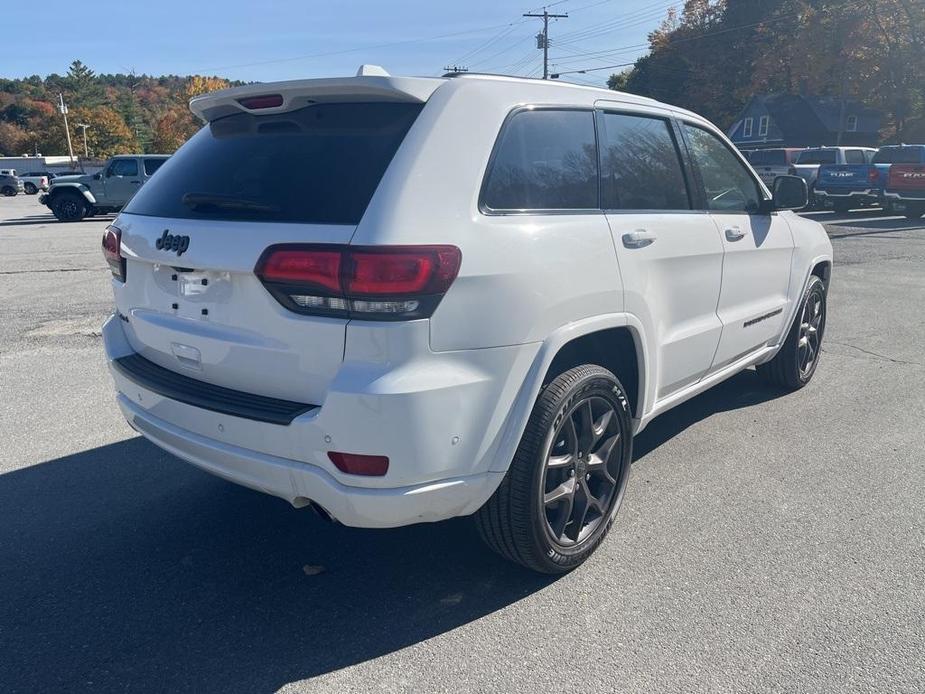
522,276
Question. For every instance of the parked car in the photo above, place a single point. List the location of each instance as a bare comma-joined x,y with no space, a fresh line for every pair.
905,189
469,303
809,161
10,183
34,181
844,186
771,163
71,198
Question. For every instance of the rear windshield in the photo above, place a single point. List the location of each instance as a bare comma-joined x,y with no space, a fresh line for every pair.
817,156
318,165
768,157
899,155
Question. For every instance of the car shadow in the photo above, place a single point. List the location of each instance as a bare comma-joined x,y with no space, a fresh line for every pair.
744,389
50,219
123,568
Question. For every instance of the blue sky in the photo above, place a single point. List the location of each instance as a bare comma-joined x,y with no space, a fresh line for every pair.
289,39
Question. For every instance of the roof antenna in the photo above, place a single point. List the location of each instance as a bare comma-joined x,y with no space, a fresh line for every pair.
372,71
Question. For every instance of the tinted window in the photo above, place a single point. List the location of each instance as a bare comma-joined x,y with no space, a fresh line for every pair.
854,156
769,157
729,186
320,164
640,165
817,156
899,155
124,167
544,160
152,165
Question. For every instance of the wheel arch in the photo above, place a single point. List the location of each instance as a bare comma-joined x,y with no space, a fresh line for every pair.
580,340
823,270
71,188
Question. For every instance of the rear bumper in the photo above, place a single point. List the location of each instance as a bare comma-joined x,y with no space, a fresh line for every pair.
835,194
298,483
906,195
440,419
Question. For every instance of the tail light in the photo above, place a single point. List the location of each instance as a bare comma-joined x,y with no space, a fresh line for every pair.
112,251
368,283
873,175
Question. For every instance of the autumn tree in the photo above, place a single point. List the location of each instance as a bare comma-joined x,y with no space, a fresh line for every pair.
713,56
177,124
107,135
14,140
172,129
198,84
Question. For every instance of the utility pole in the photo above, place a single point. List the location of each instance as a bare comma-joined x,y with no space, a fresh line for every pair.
542,40
84,126
63,108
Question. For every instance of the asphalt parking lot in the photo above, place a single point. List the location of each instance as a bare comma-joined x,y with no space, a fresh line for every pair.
768,542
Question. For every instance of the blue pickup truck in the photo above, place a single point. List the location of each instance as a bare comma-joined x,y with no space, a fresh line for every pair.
847,186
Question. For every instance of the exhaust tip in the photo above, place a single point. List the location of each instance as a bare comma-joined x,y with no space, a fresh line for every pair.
319,510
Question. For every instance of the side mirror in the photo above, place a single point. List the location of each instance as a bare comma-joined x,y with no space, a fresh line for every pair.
97,176
790,193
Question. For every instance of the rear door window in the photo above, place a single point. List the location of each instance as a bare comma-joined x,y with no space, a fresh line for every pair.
544,159
152,165
640,166
318,165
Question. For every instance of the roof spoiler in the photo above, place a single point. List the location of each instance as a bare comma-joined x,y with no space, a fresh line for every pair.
372,83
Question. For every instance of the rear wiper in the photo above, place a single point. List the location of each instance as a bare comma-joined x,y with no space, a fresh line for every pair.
205,201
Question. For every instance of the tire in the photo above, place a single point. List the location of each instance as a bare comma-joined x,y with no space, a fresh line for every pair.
9,191
532,518
795,363
69,207
914,213
30,188
842,206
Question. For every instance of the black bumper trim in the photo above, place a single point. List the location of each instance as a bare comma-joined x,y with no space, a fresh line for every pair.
189,391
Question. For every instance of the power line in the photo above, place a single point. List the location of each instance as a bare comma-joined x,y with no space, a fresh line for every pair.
348,50
542,40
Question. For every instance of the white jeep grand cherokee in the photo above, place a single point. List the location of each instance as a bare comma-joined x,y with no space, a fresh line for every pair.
406,299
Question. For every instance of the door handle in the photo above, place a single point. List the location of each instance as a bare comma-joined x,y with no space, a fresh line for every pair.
735,234
638,239
136,183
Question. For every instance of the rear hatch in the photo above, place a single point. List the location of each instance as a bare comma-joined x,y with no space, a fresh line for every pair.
846,178
193,235
908,178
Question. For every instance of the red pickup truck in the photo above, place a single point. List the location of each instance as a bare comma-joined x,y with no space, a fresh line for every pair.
905,190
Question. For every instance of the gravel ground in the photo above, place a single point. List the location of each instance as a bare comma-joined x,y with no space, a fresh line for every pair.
767,543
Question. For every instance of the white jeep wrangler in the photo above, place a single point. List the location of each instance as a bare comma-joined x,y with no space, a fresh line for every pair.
465,296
